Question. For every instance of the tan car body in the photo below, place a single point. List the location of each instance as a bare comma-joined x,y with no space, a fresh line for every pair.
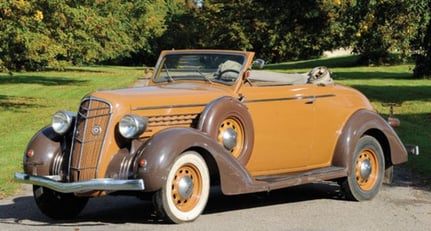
290,135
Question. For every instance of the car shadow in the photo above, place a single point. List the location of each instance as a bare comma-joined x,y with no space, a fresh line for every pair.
317,191
19,104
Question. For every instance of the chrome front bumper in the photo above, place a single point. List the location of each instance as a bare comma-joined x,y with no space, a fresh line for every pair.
82,186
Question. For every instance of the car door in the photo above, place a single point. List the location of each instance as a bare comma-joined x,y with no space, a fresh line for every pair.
284,128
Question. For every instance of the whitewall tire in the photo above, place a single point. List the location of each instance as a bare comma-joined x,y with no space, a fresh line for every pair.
185,193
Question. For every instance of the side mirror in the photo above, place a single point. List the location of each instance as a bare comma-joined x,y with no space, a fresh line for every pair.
258,63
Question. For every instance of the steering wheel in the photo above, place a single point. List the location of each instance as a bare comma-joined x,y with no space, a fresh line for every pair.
231,79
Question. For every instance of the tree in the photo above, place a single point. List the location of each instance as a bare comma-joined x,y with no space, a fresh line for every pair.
276,30
148,23
423,58
24,41
40,33
384,27
223,24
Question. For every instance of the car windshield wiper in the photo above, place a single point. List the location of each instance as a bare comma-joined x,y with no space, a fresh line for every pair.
169,75
203,75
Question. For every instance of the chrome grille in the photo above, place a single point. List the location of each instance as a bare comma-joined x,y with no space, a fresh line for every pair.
90,131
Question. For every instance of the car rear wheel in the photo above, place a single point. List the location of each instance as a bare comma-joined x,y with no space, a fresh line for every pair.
58,205
185,193
367,170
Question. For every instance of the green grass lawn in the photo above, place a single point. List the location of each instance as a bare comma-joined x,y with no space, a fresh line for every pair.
28,100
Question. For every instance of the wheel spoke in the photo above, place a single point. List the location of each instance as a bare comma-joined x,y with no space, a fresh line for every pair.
186,187
229,126
366,169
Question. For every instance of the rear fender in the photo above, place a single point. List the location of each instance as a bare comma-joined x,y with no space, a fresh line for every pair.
161,150
367,122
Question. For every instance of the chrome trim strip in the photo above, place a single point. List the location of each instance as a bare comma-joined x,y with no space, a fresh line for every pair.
168,106
246,101
82,186
288,98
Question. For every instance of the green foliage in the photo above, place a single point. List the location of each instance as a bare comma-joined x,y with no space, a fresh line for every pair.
156,25
178,29
423,57
40,33
24,43
276,30
384,27
225,24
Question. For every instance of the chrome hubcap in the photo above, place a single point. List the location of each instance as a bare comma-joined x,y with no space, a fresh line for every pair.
229,137
365,169
185,187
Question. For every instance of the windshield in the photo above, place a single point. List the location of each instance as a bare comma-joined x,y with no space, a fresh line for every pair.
224,68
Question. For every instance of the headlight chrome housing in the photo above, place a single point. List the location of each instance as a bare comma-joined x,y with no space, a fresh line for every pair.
131,126
62,121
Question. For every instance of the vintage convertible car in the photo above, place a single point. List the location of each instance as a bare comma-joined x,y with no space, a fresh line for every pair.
207,117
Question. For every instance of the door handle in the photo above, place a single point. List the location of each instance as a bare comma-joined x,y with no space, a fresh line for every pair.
310,100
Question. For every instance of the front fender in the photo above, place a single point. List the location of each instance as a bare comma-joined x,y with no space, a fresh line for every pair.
161,150
41,151
368,122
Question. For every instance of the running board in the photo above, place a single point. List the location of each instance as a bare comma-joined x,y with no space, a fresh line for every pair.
298,178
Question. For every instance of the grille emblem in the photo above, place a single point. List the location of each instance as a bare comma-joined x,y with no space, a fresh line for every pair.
96,130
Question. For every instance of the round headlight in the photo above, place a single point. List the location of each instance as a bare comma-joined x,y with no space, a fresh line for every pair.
62,121
131,126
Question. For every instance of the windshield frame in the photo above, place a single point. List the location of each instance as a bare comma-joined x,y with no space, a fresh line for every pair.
201,65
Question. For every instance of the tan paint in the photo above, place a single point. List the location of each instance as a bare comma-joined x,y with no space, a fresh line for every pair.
297,125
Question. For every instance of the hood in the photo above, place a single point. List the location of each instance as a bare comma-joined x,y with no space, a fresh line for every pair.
163,95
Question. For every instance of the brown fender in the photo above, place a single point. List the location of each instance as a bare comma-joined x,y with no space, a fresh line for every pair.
161,150
367,122
225,107
45,146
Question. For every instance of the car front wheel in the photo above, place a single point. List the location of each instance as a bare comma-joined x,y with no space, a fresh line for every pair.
58,205
186,190
366,170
